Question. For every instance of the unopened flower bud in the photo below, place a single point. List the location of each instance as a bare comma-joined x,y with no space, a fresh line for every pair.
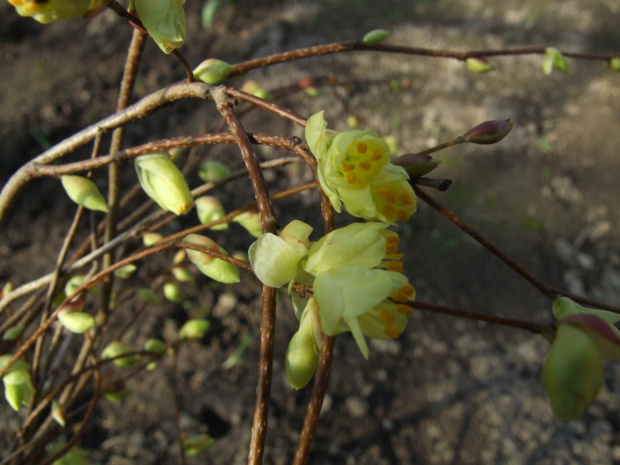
194,329
211,171
116,349
84,192
209,208
212,71
182,275
375,36
155,346
151,238
179,257
164,20
74,283
126,271
13,333
614,63
172,292
164,183
479,65
195,445
214,268
417,164
489,132
573,372
254,88
76,322
554,59
302,354
58,413
250,220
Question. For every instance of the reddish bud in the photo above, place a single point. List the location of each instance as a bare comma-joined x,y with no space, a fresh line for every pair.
417,164
489,132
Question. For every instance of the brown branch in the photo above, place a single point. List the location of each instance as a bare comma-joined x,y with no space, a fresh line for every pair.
138,110
328,49
547,289
266,105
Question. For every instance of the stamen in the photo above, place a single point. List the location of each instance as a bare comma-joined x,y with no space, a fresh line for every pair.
351,178
402,294
404,309
389,211
377,155
402,215
361,147
395,266
365,166
347,166
405,199
390,197
387,317
392,332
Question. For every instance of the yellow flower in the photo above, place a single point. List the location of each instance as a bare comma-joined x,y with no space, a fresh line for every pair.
53,10
354,169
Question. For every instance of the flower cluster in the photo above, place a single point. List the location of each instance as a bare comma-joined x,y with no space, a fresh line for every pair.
357,285
354,169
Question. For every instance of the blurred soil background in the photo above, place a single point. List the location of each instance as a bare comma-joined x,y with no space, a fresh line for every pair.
448,391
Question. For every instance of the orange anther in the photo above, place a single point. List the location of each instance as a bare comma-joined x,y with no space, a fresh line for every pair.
351,178
376,155
365,165
404,309
347,166
387,316
405,199
361,147
392,332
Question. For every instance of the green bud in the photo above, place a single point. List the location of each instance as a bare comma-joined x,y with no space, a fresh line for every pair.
164,20
255,89
479,65
147,296
214,268
489,132
14,395
250,220
209,209
15,377
84,192
116,349
179,257
13,333
156,346
18,365
302,354
375,36
416,164
126,271
573,372
182,275
195,445
194,329
211,171
151,238
352,122
554,59
164,183
172,292
312,92
614,63
76,322
18,388
6,290
74,283
58,413
212,71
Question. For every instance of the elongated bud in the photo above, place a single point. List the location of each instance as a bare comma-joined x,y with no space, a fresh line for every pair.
164,183
172,292
212,71
479,65
302,354
74,283
182,275
250,220
554,59
151,238
254,88
375,36
116,349
126,271
211,171
416,164
76,322
195,445
155,346
58,413
573,372
194,329
214,268
164,20
489,132
84,192
209,208
13,333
